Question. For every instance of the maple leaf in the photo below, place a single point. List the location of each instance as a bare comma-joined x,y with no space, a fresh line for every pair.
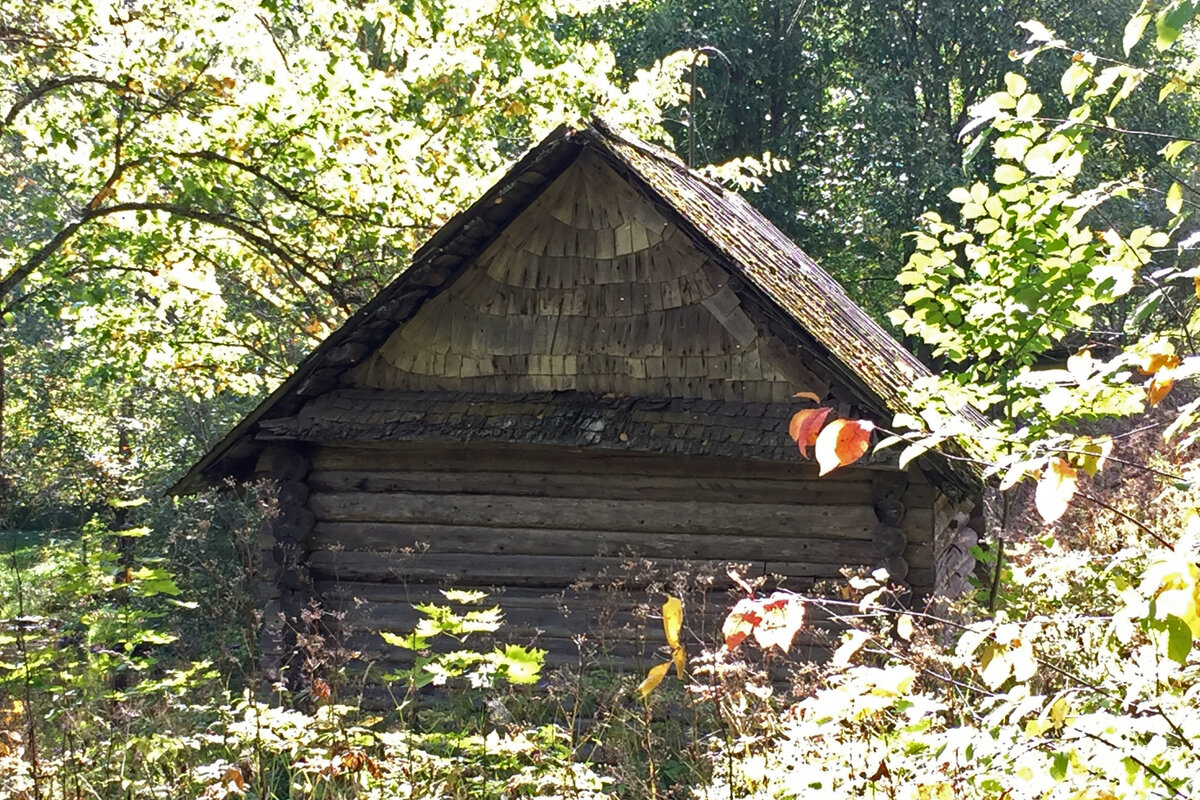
805,426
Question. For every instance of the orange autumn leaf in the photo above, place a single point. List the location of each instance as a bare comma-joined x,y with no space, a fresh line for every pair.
807,396
1160,387
1154,362
843,442
805,426
1055,489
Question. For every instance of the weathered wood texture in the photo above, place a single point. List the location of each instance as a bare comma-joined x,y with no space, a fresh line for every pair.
285,540
607,530
589,290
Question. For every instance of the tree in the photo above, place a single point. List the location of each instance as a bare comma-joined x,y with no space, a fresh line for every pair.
865,99
201,191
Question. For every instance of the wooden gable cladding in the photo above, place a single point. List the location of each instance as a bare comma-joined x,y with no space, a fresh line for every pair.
588,290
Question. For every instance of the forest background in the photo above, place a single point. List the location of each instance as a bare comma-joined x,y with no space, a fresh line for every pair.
197,193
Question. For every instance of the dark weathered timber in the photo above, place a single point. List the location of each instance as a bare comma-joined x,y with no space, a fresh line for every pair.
742,270
554,572
534,459
666,516
486,540
831,491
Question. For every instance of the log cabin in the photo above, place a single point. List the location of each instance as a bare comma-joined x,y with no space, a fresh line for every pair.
579,388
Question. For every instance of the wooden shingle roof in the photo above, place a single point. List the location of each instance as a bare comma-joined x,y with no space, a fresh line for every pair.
799,302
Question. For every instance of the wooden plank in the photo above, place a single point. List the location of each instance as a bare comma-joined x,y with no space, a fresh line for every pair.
687,516
486,540
558,572
525,625
451,457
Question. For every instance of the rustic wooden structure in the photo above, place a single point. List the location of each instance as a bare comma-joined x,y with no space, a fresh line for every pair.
595,363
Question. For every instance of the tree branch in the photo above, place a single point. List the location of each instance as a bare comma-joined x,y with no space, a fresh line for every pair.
52,85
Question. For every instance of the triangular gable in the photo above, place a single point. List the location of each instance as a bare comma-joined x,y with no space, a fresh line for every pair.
576,233
591,290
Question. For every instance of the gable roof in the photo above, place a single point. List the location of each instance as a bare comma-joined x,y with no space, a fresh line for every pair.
800,300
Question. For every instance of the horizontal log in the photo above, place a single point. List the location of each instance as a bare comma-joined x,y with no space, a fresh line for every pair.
602,486
918,525
558,572
453,457
588,614
387,536
582,514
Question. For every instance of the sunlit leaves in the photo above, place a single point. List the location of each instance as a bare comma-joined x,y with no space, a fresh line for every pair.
843,442
672,616
805,425
1055,489
773,621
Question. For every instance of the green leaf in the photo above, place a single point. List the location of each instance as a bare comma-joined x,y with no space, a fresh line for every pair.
1175,198
1007,173
1134,30
1075,76
1173,150
1179,640
408,641
1058,766
1170,22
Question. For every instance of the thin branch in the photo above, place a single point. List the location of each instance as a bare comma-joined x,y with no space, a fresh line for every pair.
52,85
1146,529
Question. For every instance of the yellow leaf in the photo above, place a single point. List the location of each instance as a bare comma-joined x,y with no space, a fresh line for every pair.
1055,489
807,396
936,791
679,658
904,627
1097,451
995,666
1058,712
653,679
1175,198
672,620
852,642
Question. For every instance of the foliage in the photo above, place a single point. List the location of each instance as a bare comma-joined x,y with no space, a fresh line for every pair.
199,192
865,100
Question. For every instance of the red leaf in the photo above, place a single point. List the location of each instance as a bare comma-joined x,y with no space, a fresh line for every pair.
805,426
741,622
783,615
843,442
773,621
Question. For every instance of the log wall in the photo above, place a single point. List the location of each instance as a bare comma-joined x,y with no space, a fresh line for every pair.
577,545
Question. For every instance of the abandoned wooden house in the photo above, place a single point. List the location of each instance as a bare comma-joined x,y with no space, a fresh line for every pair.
593,366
